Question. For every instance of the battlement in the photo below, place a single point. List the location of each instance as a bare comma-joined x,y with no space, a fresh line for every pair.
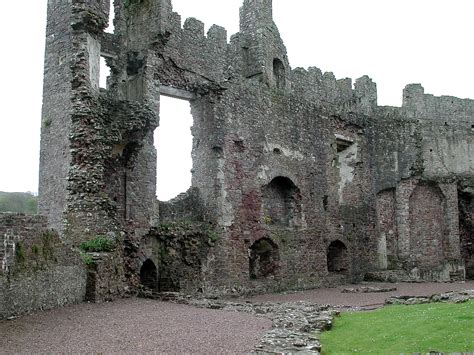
326,89
446,109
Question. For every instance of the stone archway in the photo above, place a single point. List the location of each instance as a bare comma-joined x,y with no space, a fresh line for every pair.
337,257
264,259
149,275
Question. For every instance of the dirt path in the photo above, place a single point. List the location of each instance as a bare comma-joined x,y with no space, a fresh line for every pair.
334,296
133,325
144,326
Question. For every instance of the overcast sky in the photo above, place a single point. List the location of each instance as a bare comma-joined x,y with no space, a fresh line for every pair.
395,42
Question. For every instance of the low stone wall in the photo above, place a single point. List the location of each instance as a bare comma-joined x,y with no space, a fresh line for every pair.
37,270
187,206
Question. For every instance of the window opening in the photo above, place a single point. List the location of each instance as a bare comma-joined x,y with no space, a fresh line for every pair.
104,73
110,28
173,142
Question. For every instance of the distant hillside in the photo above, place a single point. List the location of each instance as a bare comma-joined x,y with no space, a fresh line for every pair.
20,202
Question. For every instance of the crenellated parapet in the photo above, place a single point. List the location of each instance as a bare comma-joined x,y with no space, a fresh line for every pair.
325,89
442,109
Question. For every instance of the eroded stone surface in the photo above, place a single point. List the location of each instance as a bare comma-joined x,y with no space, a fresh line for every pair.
303,179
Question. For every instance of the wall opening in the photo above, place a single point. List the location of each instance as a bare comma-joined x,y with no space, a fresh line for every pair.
173,142
149,275
427,225
346,159
104,73
337,257
279,73
110,27
387,229
264,259
281,202
466,231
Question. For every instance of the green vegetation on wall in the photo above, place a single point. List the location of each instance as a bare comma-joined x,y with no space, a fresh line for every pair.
98,244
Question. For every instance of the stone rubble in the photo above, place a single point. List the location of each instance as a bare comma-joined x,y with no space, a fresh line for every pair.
455,297
297,325
368,289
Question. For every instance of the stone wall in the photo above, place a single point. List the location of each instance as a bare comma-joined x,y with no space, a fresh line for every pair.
187,206
38,271
305,180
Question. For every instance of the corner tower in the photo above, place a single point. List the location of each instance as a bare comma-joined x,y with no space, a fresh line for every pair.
264,54
72,40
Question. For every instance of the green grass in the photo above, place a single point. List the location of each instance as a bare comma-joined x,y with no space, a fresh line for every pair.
443,327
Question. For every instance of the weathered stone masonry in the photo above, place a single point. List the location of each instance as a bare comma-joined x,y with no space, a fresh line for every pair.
299,179
295,158
37,270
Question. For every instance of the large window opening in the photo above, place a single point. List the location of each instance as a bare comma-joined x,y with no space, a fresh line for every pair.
173,143
263,259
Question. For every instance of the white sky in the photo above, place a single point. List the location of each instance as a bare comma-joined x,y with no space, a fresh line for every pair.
395,42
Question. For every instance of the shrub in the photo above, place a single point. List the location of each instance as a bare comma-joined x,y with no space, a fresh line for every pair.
98,244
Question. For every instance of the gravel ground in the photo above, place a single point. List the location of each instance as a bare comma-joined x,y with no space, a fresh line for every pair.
334,296
141,325
133,326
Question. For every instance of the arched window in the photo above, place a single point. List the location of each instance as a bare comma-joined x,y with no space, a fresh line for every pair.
279,73
280,200
337,257
263,259
149,275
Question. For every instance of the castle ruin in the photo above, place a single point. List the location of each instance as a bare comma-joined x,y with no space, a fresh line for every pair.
299,180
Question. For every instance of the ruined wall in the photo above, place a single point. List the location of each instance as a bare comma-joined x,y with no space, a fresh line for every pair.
187,206
174,254
303,178
55,157
38,271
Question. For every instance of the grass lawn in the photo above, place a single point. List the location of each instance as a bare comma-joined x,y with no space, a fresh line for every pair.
443,327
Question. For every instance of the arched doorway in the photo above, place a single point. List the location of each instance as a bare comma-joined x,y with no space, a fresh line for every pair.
337,257
149,275
264,259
